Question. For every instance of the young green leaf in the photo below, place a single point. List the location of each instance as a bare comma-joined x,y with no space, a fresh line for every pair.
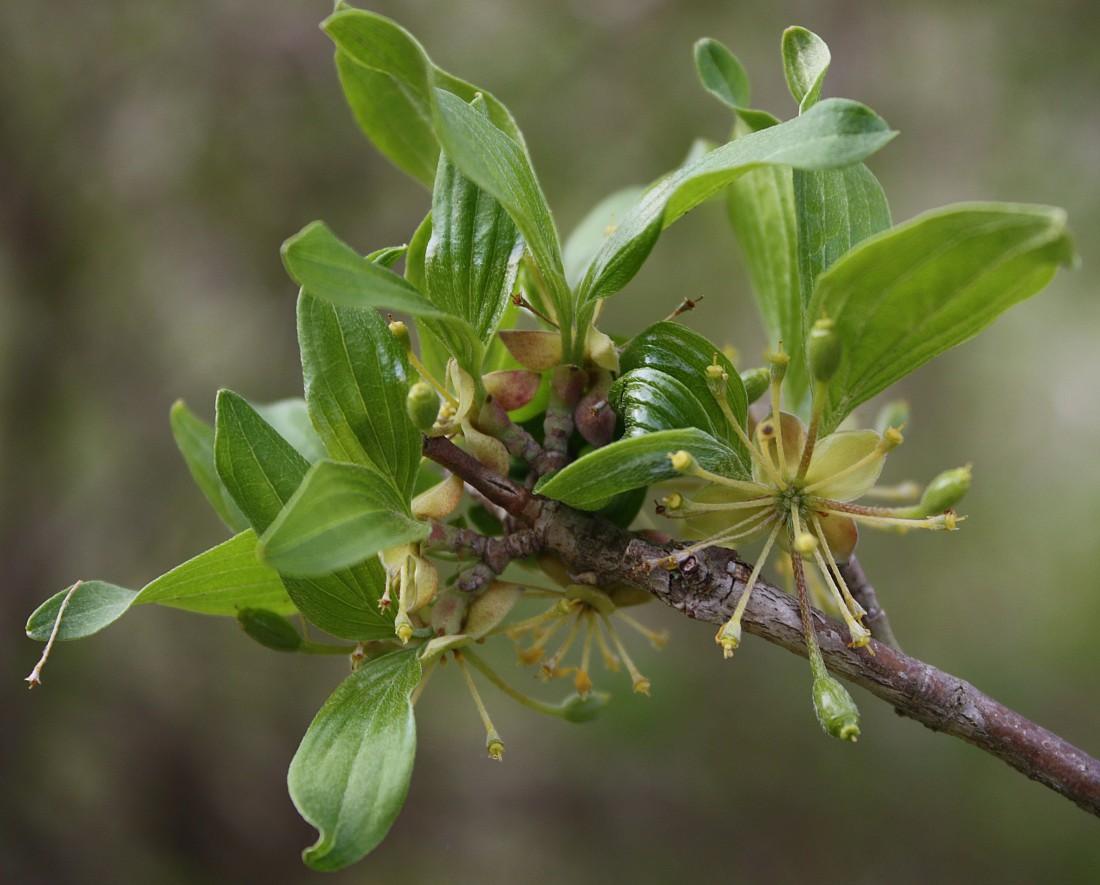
833,133
387,79
761,208
221,581
633,463
836,209
685,355
473,255
805,61
92,606
648,400
902,297
195,440
356,382
499,165
340,515
724,77
322,263
259,468
351,773
262,471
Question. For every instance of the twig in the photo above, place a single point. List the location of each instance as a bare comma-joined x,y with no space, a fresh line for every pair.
707,586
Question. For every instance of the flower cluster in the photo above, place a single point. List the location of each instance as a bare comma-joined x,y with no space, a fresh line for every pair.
800,497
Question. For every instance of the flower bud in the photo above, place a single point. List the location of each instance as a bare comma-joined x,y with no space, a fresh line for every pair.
824,349
805,543
945,491
269,629
449,611
401,333
491,608
756,383
422,405
835,709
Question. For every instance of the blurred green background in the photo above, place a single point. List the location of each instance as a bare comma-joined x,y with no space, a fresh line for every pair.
154,155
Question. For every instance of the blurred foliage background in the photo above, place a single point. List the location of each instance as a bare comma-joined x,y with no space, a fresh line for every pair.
154,155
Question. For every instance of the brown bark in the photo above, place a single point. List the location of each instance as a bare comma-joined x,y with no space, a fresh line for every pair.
707,586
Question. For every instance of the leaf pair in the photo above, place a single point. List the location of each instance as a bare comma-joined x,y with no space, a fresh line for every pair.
819,242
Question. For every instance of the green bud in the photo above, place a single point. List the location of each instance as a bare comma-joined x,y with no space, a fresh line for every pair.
422,404
756,383
269,629
401,333
824,348
836,711
576,708
945,491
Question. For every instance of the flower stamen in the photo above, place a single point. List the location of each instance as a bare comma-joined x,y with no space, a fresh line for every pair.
729,636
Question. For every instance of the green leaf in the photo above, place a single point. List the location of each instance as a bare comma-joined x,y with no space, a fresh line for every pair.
633,463
683,354
648,400
340,515
221,581
195,440
387,79
259,468
92,606
262,471
329,268
351,773
724,77
356,381
270,629
902,297
762,211
805,61
586,239
290,418
473,255
836,209
499,165
833,133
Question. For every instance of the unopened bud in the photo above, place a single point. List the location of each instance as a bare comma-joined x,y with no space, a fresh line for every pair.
494,746
805,543
401,333
756,383
449,611
945,491
491,608
835,709
269,629
422,405
824,349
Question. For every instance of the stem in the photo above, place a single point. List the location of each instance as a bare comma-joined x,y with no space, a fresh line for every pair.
706,588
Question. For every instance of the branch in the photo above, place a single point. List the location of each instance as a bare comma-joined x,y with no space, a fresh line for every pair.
707,587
